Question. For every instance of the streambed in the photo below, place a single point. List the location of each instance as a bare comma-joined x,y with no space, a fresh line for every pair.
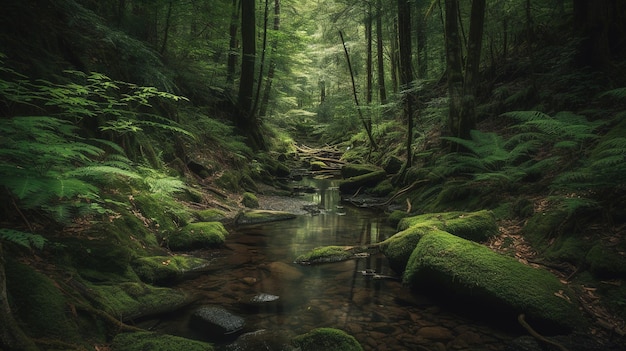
380,313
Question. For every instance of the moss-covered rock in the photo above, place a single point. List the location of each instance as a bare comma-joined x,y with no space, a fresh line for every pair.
472,274
131,300
399,247
141,341
198,235
250,200
324,339
355,170
166,269
383,188
39,304
210,215
367,180
605,263
325,254
476,226
263,216
318,165
395,217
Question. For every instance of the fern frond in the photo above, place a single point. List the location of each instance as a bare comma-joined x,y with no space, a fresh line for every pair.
619,93
101,171
27,240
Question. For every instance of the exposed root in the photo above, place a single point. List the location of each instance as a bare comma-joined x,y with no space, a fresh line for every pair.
521,319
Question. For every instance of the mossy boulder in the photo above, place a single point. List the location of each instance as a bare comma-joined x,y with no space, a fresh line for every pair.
355,170
395,217
131,300
324,339
325,254
250,200
198,235
141,341
605,262
39,304
476,226
210,215
383,188
368,180
163,270
399,247
469,273
318,165
263,216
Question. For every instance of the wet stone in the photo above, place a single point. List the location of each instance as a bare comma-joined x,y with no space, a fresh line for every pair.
435,333
277,340
261,302
216,322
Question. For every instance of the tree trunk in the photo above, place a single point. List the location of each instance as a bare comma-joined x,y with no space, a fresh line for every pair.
166,31
369,54
453,66
233,45
382,92
262,64
11,336
395,57
472,68
272,66
422,40
406,73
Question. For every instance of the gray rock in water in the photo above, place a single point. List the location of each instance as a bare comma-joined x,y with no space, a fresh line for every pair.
261,302
216,322
263,340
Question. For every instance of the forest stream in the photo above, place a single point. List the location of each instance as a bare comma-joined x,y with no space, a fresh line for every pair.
362,296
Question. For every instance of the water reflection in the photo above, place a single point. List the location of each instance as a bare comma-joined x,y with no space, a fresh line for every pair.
380,313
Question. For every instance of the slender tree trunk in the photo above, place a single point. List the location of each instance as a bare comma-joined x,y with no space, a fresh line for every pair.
262,64
395,57
472,69
382,92
369,54
272,65
453,66
366,126
11,336
406,73
422,40
167,28
233,45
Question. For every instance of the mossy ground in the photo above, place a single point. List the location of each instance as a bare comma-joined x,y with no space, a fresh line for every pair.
142,341
325,254
475,274
198,235
476,226
324,339
165,269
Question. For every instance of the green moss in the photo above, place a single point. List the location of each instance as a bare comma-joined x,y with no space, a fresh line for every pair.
474,274
210,215
606,263
166,269
39,304
142,341
395,217
164,213
324,339
383,188
325,254
130,300
475,226
355,170
399,247
102,255
198,235
362,181
543,226
318,165
250,200
263,216
571,249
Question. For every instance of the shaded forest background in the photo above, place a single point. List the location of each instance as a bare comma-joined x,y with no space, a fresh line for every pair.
514,106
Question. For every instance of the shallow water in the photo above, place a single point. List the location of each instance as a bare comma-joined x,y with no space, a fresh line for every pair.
380,313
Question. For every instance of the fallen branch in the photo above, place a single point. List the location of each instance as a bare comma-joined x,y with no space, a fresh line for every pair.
521,319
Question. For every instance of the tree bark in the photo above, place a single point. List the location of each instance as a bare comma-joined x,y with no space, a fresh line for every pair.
369,54
272,66
262,64
232,53
453,66
406,73
11,336
422,40
382,91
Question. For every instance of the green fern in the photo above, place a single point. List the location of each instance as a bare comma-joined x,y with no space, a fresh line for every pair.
27,240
